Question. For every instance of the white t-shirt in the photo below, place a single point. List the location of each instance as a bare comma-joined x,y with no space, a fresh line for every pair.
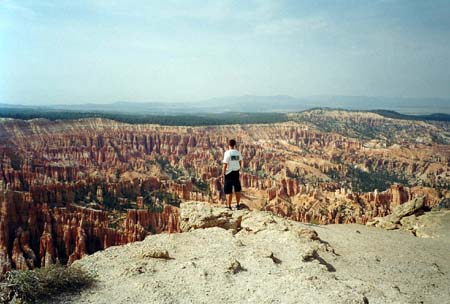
232,158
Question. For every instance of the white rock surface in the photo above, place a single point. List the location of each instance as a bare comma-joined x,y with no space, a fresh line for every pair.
392,221
413,217
262,258
433,224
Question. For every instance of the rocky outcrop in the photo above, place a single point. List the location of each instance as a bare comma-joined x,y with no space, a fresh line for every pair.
433,224
392,221
198,215
413,216
195,215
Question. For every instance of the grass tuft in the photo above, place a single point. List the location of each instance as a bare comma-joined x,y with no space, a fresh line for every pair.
29,286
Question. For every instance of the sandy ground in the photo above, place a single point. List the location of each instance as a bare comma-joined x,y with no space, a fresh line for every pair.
391,265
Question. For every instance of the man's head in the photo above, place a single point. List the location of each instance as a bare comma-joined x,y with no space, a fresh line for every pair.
232,143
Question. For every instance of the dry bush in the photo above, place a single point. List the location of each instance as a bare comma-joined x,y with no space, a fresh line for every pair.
28,286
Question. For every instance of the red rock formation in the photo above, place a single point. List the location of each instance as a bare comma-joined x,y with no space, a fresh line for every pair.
34,235
344,206
46,247
5,260
18,258
399,195
72,181
166,221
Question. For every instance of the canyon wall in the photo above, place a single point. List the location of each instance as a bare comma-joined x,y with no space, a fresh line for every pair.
70,188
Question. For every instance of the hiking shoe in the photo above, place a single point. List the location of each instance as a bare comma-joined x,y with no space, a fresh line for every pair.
238,207
229,208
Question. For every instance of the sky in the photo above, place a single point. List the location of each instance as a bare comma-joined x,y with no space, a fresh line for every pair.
102,51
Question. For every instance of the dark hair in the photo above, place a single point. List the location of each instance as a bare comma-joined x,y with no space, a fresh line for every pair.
232,143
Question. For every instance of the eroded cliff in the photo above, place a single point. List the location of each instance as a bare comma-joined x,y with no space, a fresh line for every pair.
70,188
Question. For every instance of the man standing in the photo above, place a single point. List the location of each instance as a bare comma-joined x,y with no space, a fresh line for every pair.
232,163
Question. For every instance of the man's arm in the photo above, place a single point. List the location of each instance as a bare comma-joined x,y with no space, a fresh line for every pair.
226,159
224,168
241,161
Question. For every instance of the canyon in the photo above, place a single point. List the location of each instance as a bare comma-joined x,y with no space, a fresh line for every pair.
70,188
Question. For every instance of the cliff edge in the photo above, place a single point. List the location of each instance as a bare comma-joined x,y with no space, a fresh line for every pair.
242,256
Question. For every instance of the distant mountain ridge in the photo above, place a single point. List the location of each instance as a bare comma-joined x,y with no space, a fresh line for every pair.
255,103
192,119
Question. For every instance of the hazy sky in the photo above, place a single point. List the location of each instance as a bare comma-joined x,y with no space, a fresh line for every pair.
78,51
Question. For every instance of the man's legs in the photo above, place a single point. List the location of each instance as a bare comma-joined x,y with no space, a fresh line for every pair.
238,198
229,199
232,181
228,189
237,190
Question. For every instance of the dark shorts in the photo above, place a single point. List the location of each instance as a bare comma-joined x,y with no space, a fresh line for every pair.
232,180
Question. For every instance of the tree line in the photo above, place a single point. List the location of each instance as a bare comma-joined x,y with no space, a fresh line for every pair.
169,120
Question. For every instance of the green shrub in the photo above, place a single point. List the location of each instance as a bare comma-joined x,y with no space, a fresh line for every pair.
29,286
